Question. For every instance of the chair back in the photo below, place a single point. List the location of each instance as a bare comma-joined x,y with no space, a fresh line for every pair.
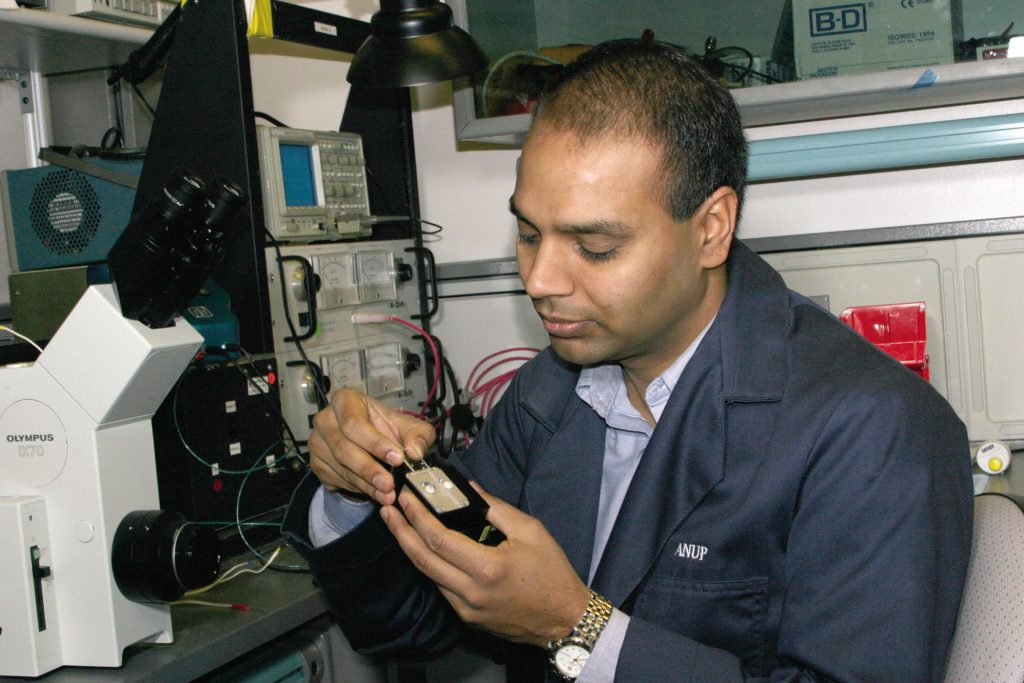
988,646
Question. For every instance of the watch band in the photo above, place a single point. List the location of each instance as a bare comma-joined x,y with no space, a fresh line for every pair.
587,630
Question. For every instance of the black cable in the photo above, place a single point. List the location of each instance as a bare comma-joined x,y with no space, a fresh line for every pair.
436,406
713,60
118,114
143,61
123,154
457,393
145,102
443,418
268,117
380,189
426,222
288,318
106,144
387,207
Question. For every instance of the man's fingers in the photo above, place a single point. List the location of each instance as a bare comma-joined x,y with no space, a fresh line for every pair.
506,518
414,434
352,418
421,547
454,547
335,470
327,469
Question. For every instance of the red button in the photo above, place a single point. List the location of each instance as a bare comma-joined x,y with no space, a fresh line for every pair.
218,485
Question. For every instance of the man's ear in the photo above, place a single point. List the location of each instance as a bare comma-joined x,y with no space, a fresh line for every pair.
717,224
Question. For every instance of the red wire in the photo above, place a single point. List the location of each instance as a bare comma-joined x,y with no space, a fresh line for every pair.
437,359
510,359
492,396
490,384
469,382
490,390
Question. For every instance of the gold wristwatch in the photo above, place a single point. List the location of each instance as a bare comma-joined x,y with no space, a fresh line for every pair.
568,655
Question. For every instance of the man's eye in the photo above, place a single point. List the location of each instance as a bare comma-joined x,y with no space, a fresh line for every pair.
597,256
527,238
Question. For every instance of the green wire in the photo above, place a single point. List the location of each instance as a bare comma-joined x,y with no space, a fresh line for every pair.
238,516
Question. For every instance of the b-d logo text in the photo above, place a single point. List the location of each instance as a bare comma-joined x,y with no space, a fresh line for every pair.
838,19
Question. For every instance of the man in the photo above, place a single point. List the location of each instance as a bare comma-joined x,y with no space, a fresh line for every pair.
757,491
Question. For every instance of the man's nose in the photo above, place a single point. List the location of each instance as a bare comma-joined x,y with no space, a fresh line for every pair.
546,271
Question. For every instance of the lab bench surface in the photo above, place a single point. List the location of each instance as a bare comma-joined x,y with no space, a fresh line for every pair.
206,638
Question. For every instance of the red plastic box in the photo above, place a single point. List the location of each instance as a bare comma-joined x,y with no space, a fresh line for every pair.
897,329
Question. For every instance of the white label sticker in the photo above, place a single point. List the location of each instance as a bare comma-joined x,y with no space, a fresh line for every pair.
215,469
235,448
230,407
321,27
261,383
200,312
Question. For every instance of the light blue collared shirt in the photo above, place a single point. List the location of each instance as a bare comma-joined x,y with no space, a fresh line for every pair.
603,389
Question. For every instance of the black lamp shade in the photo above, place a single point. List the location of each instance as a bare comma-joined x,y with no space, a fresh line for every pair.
413,42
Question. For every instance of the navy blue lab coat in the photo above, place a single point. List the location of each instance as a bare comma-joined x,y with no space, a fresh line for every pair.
802,512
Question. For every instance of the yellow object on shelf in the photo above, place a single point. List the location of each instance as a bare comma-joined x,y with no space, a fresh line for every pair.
261,20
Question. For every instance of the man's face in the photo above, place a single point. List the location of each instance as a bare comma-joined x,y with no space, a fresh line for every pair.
613,276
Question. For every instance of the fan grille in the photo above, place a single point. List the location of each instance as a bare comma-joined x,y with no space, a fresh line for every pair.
65,212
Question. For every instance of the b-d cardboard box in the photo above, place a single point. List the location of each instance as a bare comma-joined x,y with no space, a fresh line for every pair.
838,38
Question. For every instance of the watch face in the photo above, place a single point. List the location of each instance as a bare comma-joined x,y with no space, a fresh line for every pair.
570,658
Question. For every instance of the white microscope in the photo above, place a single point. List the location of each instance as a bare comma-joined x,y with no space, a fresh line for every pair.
86,558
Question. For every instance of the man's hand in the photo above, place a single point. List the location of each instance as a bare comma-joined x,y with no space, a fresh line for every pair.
354,434
523,590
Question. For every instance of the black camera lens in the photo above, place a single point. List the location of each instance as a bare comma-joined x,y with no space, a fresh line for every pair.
158,225
226,198
157,555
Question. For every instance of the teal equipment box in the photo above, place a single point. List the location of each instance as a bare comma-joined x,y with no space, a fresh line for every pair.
56,217
210,313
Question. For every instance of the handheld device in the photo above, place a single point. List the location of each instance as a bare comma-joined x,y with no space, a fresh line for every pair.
448,495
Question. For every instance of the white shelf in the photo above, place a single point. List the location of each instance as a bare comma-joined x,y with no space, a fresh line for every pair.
47,42
898,90
817,99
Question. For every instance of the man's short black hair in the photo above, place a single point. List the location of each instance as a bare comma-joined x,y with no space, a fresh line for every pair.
654,91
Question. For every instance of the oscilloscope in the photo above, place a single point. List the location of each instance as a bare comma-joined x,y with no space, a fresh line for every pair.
314,183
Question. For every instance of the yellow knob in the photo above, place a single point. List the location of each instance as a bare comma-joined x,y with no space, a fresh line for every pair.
995,464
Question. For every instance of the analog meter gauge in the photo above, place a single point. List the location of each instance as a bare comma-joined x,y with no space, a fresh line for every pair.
345,370
377,280
384,371
337,280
